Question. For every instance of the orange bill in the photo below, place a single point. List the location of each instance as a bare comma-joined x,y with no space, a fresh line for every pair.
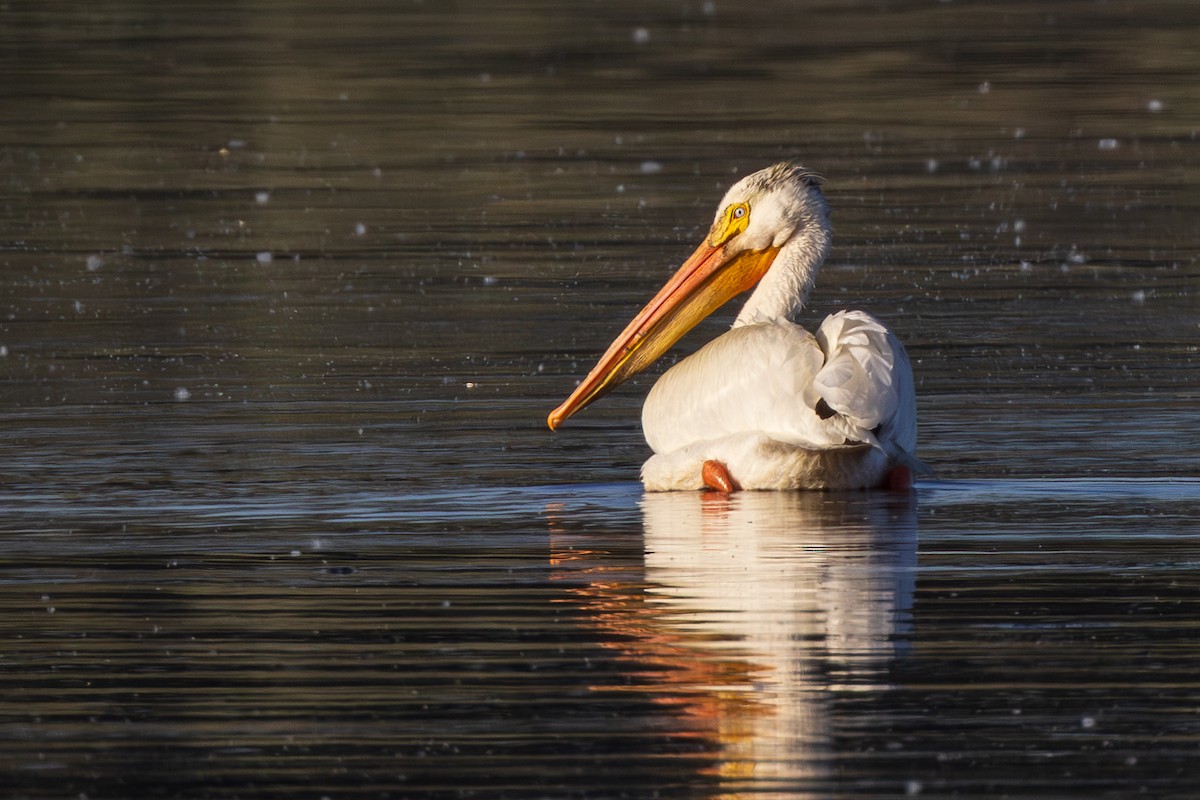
710,277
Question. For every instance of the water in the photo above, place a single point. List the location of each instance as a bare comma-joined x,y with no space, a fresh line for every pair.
288,290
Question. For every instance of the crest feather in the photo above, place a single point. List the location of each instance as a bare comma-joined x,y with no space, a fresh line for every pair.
796,171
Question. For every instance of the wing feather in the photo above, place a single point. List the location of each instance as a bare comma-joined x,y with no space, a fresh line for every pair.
768,379
868,380
857,379
755,378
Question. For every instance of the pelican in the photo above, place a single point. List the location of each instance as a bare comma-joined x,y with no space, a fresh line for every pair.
767,405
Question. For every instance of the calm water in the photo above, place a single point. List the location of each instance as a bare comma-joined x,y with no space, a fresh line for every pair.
287,289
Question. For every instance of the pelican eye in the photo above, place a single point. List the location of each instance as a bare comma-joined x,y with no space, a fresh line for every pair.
732,222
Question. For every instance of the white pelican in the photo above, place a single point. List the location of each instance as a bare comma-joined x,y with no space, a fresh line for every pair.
766,405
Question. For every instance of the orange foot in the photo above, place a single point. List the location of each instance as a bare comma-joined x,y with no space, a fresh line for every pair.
716,477
899,479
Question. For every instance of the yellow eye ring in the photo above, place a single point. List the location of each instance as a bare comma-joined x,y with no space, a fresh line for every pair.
732,222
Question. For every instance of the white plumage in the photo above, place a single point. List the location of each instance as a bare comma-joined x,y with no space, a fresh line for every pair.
770,404
750,400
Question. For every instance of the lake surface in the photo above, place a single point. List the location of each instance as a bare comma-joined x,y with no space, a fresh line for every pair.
288,289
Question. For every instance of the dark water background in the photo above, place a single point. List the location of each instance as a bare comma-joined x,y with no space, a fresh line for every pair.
287,289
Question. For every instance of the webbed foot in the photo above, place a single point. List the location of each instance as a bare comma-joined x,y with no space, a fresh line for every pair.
899,479
716,477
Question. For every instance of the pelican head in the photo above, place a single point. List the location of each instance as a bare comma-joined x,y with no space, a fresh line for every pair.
771,230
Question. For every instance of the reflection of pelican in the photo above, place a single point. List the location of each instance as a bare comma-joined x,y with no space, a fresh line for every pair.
807,591
767,405
830,568
756,613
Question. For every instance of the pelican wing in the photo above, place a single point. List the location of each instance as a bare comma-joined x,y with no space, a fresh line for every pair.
754,379
770,379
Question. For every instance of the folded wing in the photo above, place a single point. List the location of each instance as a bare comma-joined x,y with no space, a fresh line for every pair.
851,382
